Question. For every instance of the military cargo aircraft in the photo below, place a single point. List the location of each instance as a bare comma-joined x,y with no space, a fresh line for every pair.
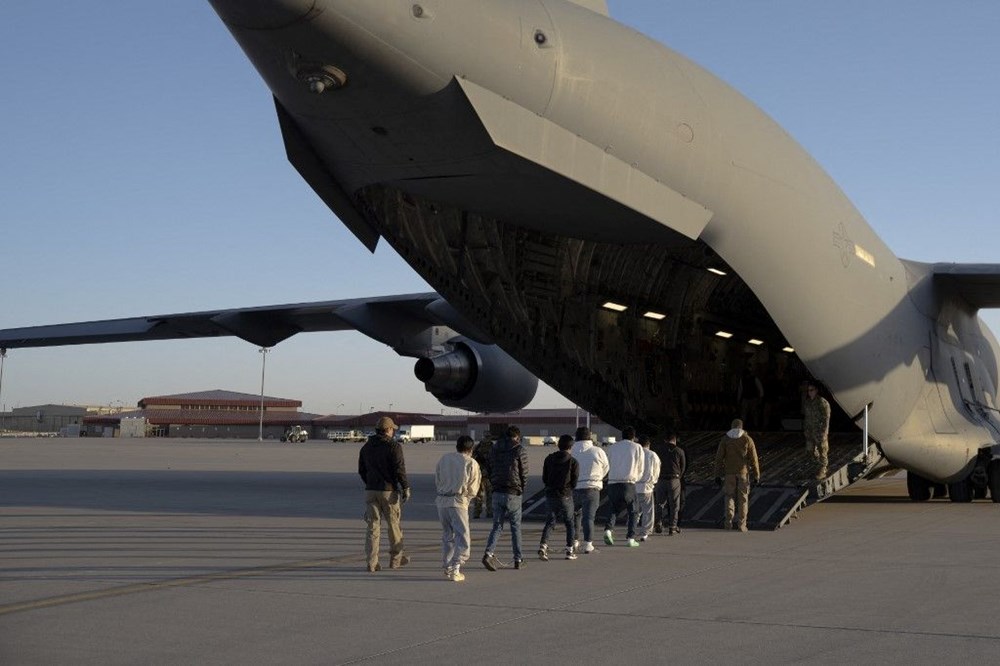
599,212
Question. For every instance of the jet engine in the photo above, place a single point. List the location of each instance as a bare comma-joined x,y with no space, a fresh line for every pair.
477,378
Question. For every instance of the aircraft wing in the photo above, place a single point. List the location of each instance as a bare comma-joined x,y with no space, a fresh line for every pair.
398,321
978,284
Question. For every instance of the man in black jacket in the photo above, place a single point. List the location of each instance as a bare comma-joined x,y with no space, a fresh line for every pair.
381,466
673,464
508,476
560,474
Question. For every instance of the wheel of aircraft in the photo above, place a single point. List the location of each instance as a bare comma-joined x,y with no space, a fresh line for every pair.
918,487
994,475
961,491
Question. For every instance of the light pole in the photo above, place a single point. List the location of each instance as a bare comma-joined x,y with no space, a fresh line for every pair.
3,416
263,365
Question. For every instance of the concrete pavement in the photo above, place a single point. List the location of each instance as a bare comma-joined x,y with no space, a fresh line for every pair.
162,551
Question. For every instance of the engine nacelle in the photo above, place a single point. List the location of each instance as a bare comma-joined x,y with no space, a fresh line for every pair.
477,378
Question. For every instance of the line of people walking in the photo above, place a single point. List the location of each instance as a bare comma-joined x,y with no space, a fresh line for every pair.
643,481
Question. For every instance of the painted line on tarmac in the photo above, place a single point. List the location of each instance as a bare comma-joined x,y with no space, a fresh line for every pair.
136,588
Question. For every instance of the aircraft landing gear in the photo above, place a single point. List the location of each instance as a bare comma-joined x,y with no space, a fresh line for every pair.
918,488
961,491
994,480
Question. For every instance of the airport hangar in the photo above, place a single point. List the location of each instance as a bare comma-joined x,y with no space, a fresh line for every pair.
234,415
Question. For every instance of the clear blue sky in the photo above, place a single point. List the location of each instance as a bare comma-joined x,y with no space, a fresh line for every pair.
142,172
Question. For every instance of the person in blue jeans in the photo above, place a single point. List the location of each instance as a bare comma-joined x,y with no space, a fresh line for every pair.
559,474
509,477
587,494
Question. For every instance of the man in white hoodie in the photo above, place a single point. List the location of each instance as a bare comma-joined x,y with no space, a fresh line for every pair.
644,488
626,464
587,493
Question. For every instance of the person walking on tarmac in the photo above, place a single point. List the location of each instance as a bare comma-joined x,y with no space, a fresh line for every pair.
645,486
484,498
736,460
457,480
816,426
383,470
509,476
626,462
587,494
673,464
559,474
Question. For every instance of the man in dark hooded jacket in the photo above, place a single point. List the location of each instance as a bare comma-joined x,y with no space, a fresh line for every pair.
508,476
381,467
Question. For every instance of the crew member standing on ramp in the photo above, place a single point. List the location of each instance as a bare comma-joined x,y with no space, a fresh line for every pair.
736,459
816,426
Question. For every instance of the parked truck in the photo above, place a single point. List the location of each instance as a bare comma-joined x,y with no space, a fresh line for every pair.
415,433
346,436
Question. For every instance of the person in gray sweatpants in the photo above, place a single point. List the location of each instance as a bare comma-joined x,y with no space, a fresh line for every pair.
457,479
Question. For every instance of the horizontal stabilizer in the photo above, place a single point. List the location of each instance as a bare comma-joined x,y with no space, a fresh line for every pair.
977,284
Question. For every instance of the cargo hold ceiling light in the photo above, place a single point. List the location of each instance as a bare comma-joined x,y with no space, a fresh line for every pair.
716,271
723,334
654,315
755,341
616,307
789,350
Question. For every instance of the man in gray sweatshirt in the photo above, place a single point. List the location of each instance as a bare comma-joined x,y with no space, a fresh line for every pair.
457,478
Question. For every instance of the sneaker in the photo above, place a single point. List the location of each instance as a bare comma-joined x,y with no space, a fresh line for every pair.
518,564
570,555
372,568
491,562
457,576
543,553
609,538
576,545
588,548
632,543
642,538
743,528
400,563
448,573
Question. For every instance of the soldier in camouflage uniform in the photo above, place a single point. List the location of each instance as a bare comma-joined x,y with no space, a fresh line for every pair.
816,426
481,454
736,469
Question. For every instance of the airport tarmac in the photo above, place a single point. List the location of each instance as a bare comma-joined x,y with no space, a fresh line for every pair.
236,552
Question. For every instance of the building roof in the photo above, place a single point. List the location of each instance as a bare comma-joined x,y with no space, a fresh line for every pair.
203,417
217,396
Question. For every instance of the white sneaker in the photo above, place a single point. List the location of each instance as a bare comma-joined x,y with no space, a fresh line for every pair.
457,576
609,538
588,547
632,543
570,555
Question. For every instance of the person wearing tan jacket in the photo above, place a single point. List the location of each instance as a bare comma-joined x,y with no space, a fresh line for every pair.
736,462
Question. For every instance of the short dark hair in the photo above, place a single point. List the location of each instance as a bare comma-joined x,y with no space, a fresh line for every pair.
645,439
513,432
565,442
464,444
671,434
628,432
583,433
